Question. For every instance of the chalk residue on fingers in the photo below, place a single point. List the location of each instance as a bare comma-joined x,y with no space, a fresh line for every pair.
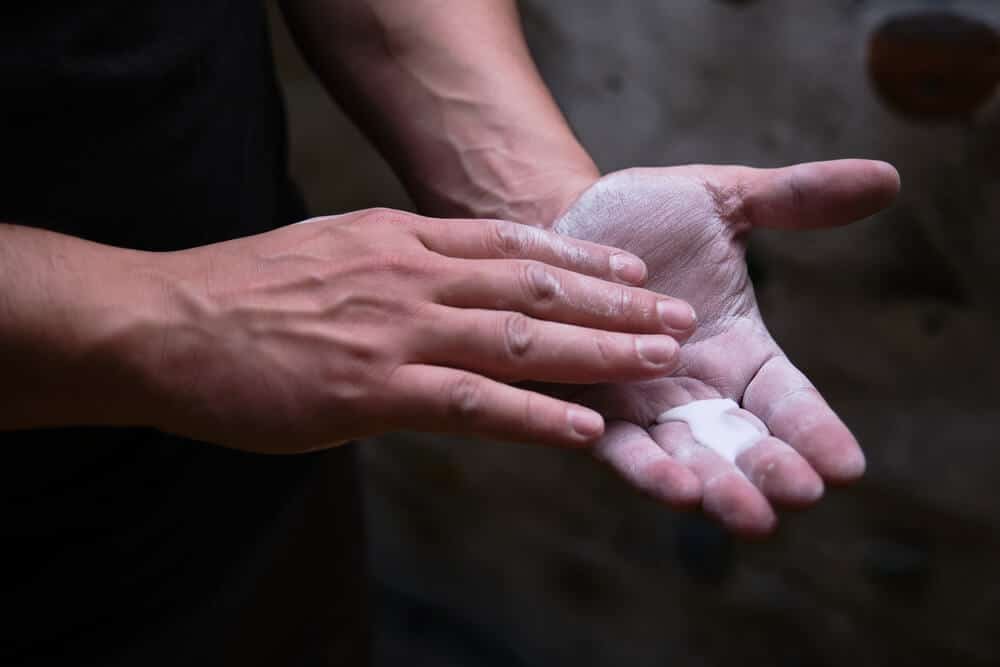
714,425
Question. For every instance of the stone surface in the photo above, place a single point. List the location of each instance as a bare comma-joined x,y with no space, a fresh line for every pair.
500,554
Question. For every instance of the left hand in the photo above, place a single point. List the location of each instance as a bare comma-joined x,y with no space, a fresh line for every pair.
690,225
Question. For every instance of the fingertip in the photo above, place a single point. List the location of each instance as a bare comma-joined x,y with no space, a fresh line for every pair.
868,186
740,508
752,526
807,490
888,182
659,353
628,268
845,469
759,531
890,173
810,491
585,425
834,453
676,315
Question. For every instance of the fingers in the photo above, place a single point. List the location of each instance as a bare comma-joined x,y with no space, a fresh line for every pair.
794,411
550,293
727,495
513,347
817,194
740,493
444,400
777,470
781,474
492,239
642,463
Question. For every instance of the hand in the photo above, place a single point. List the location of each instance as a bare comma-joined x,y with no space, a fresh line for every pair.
382,320
690,225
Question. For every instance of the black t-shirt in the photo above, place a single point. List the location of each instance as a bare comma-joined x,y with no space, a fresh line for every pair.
155,125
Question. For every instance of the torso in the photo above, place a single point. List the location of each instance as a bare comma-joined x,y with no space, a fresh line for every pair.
154,125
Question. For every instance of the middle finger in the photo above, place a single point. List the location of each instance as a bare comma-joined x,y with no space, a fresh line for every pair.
558,295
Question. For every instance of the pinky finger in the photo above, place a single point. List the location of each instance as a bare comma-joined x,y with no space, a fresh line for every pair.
444,400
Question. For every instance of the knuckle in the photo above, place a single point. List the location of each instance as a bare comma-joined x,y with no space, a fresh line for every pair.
320,220
508,239
539,283
622,302
732,203
796,192
518,335
464,398
531,409
347,382
368,309
579,257
606,348
647,307
410,265
392,262
385,216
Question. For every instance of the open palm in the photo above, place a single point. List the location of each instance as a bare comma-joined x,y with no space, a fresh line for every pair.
690,224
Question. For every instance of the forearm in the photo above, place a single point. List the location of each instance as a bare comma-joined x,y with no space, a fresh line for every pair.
450,95
72,318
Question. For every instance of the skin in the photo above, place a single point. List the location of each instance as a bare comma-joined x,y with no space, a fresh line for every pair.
448,92
431,82
691,224
198,342
319,333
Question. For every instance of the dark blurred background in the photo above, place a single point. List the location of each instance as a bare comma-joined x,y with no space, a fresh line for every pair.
494,554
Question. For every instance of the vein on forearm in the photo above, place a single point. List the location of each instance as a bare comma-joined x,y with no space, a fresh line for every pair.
451,97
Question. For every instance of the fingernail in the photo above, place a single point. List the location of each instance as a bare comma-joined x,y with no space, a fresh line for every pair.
628,268
585,423
657,350
676,314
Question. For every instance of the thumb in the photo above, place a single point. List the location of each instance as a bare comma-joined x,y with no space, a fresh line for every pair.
818,194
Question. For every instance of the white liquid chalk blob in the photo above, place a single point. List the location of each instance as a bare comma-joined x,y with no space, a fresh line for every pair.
714,426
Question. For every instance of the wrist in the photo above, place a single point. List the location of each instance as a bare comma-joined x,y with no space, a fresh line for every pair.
129,332
159,337
70,334
504,189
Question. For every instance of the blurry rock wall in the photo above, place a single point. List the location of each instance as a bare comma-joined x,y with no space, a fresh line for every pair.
488,553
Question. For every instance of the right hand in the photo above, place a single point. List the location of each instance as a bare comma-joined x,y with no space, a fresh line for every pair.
381,320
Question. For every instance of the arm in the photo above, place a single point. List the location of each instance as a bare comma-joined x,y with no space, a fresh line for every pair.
68,310
309,334
449,93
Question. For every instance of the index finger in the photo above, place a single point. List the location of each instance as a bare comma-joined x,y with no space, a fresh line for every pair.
498,239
